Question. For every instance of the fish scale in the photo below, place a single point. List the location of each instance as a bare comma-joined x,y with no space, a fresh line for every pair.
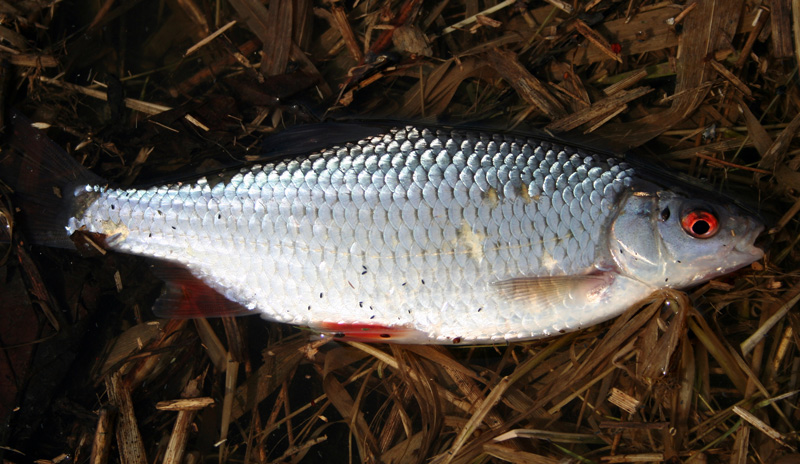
455,212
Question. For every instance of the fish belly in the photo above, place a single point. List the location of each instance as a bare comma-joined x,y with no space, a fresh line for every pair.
413,228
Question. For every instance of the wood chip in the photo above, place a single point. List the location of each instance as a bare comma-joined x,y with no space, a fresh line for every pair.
598,40
599,121
187,408
103,436
278,44
527,86
761,425
603,107
129,439
176,447
622,400
625,83
781,21
339,19
762,16
678,19
720,68
186,404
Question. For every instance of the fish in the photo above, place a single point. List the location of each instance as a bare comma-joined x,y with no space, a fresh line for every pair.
403,234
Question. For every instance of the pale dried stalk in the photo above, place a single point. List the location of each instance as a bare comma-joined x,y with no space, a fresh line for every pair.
762,426
176,447
644,457
131,103
598,40
208,39
723,71
629,81
129,440
472,19
762,331
623,400
185,404
102,437
599,108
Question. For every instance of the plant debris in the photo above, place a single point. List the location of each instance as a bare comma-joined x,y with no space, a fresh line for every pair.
142,90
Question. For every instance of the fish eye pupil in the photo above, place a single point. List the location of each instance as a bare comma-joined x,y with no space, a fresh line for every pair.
701,227
665,214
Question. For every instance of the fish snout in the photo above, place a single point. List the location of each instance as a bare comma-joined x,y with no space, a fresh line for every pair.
748,242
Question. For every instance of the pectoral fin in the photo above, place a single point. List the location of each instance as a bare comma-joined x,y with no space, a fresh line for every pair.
553,291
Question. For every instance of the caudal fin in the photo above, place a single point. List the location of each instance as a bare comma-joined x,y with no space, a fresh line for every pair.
43,178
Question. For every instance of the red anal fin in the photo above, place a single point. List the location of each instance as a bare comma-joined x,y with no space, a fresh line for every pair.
185,296
371,333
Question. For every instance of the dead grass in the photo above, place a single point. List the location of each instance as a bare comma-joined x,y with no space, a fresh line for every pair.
140,89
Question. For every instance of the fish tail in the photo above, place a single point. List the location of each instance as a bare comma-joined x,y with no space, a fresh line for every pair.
42,178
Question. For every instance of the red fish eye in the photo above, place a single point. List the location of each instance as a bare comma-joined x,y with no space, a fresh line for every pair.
700,224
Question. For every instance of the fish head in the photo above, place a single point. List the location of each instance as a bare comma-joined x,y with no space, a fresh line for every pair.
670,239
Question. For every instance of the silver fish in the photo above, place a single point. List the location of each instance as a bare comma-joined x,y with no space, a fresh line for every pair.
424,235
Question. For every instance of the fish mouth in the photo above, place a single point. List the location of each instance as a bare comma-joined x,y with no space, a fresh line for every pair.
749,251
744,253
751,245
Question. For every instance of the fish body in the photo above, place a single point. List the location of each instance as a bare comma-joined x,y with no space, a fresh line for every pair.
427,235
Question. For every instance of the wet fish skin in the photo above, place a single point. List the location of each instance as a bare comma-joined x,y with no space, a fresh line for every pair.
429,235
